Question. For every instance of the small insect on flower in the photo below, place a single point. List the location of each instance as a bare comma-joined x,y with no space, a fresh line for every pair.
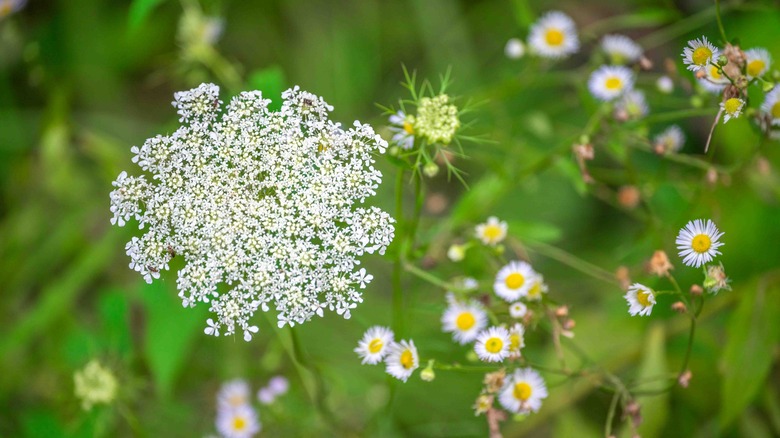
771,105
609,82
554,35
375,344
402,360
240,422
403,129
464,320
698,242
518,310
493,344
491,232
621,49
640,299
757,62
699,54
732,108
523,391
670,139
513,281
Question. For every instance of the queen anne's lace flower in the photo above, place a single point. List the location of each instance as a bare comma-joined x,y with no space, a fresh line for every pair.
263,206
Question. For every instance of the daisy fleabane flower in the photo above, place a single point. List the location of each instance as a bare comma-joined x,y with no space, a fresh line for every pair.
698,242
664,84
513,281
621,49
670,139
464,320
514,48
554,35
732,108
523,391
516,340
537,287
491,232
632,105
403,129
264,208
757,62
239,422
771,106
518,310
493,344
233,394
374,345
699,54
402,359
609,82
641,299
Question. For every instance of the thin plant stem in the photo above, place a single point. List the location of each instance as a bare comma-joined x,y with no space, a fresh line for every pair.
398,298
319,393
720,22
611,414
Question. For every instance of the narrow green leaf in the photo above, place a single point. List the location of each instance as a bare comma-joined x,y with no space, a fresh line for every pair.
540,231
655,408
139,10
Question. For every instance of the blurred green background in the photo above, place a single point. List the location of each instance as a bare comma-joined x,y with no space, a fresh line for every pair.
81,81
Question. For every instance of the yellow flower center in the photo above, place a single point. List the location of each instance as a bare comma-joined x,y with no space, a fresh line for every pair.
514,280
514,341
613,83
465,321
553,37
494,345
239,423
701,55
407,360
776,110
375,346
755,67
732,105
492,232
643,297
408,128
522,391
715,73
5,9
701,243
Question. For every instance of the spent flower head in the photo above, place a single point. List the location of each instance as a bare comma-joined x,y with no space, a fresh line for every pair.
715,279
264,207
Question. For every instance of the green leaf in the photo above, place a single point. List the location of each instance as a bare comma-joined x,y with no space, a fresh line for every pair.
115,313
655,408
571,423
139,10
270,81
753,333
471,207
539,231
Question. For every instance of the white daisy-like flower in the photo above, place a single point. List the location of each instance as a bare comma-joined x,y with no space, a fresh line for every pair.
609,82
523,391
640,299
516,340
518,310
403,129
699,54
514,281
713,81
239,422
732,108
670,139
514,49
698,242
375,344
632,104
233,394
537,287
771,105
491,232
554,35
263,208
456,252
757,62
493,344
621,49
402,360
664,84
464,320
8,7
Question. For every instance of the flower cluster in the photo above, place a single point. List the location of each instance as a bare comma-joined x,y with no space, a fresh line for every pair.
265,207
377,345
95,384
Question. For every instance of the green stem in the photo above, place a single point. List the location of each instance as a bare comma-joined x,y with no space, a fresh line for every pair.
398,297
691,334
611,414
430,278
318,393
571,261
720,22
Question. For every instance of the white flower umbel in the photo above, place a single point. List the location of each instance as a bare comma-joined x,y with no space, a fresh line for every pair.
523,391
240,422
266,208
640,299
437,119
512,281
608,82
493,344
491,232
464,320
664,84
402,360
233,394
698,242
554,35
732,108
518,310
771,105
95,384
621,49
374,345
403,129
670,139
514,49
516,340
633,104
699,54
537,287
757,62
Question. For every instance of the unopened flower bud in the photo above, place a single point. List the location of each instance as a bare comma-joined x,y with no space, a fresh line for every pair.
659,264
431,169
685,378
428,374
722,60
568,325
696,290
562,311
679,307
629,197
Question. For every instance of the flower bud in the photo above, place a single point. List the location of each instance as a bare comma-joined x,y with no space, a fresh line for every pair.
428,374
696,290
430,170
